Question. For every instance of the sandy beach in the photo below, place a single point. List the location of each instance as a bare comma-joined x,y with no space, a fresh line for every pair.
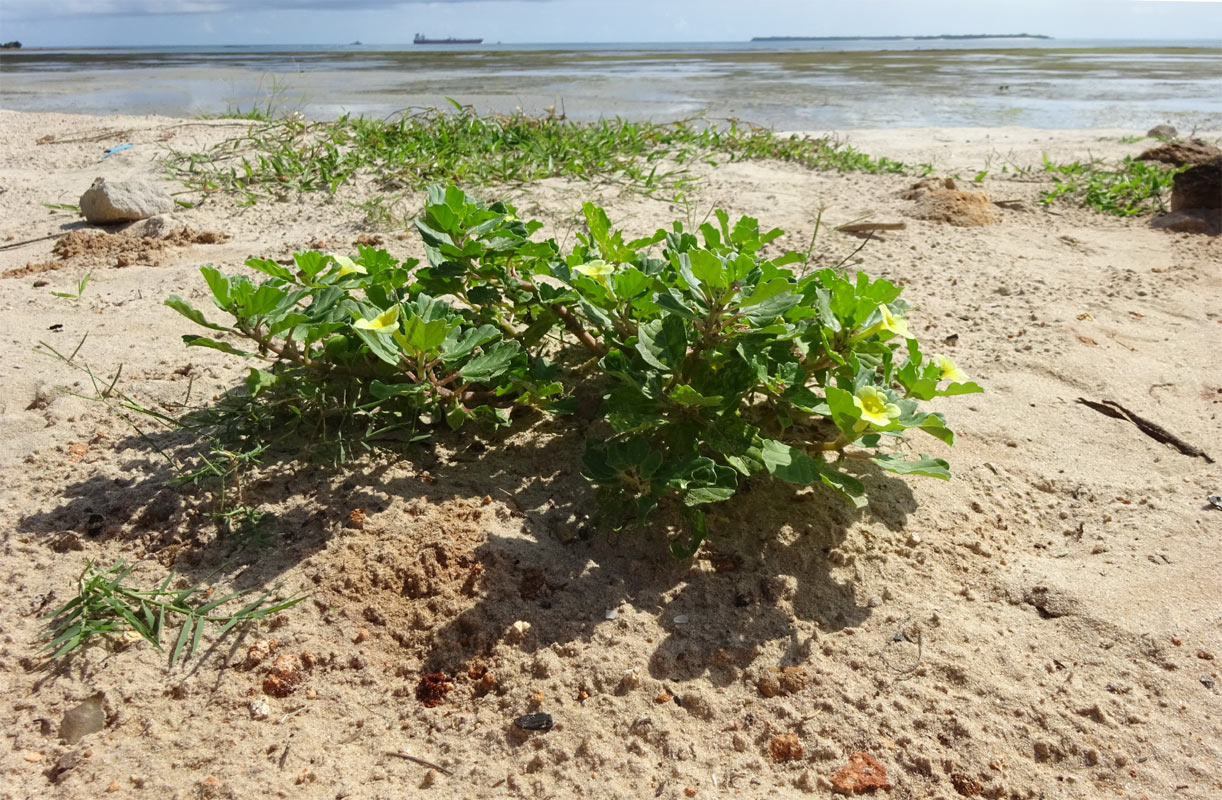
1045,625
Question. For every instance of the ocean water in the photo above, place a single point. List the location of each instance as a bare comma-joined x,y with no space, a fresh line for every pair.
820,85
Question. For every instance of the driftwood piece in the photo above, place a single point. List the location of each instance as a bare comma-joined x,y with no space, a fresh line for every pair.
867,227
1155,431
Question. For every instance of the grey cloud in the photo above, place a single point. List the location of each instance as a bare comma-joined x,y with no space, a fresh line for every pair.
41,9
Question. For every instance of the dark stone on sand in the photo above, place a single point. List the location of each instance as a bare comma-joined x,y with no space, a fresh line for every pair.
1178,154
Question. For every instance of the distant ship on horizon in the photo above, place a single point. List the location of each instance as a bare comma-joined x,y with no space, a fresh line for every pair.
422,39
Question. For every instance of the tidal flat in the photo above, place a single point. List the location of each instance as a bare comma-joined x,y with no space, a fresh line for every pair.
783,88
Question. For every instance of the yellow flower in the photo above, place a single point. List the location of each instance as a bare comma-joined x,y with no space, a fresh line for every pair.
894,324
347,266
874,406
598,269
949,371
387,322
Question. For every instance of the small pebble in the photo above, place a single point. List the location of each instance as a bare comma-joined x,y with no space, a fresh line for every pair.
681,619
1207,682
260,708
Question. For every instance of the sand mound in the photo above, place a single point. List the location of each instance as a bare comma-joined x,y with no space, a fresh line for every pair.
940,201
98,249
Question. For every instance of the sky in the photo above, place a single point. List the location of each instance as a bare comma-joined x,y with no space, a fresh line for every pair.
97,23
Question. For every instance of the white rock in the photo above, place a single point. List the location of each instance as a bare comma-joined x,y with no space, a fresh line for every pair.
124,201
260,708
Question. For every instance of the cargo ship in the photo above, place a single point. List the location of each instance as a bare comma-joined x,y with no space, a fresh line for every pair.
422,39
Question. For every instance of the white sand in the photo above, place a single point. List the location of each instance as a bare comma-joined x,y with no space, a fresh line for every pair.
1064,585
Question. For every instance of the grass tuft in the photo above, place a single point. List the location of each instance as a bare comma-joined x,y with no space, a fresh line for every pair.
282,156
104,604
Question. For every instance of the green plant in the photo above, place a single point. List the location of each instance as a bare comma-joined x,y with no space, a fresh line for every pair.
1131,187
716,361
104,604
290,154
80,288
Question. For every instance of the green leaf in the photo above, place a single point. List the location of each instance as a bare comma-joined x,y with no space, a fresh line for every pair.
492,363
730,436
925,465
311,262
671,300
258,381
788,463
205,341
685,395
268,267
843,410
663,343
183,307
219,284
419,336
707,268
960,388
385,391
461,342
848,487
455,417
699,530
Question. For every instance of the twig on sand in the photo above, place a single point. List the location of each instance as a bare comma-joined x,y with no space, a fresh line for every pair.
1155,431
24,242
867,227
292,713
420,761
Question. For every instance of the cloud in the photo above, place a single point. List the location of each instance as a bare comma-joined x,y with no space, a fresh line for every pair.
33,10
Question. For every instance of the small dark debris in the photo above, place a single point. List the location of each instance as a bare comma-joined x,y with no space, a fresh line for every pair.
541,721
432,689
38,284
964,785
94,525
1207,682
59,326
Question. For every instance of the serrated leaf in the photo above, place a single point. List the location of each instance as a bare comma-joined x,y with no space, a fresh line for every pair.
461,342
663,343
788,463
954,389
492,363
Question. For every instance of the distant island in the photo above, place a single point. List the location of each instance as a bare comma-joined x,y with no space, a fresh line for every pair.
898,38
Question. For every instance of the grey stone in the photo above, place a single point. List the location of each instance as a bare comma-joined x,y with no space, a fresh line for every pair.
1196,220
1162,132
157,227
1179,154
86,718
124,201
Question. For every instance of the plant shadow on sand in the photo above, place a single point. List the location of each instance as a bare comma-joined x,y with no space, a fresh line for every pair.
465,535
